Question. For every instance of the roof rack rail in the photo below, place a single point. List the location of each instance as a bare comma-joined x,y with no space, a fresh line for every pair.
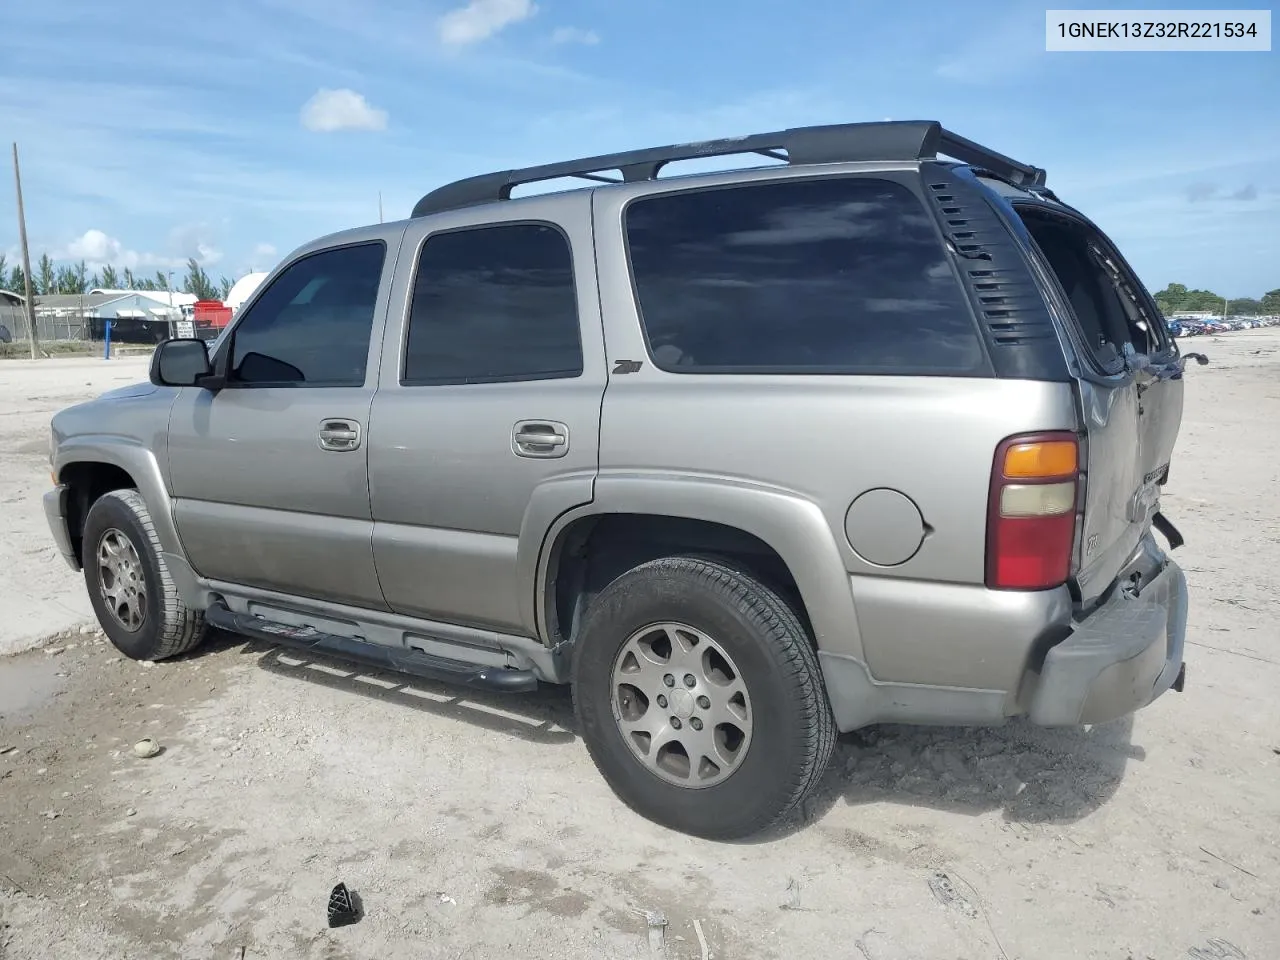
904,140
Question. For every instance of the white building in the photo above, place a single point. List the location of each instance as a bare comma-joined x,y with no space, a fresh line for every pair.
243,289
185,302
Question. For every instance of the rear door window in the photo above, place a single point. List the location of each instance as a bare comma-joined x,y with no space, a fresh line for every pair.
492,305
838,275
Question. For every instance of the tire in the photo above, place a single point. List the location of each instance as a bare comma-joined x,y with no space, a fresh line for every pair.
741,624
158,625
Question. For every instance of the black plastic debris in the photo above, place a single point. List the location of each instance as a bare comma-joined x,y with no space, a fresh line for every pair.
344,907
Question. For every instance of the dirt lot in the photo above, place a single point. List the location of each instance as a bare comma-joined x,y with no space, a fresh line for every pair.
40,594
476,827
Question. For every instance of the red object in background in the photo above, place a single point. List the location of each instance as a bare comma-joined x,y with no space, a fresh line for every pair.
211,314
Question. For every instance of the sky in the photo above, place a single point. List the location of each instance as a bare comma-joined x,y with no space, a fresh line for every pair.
234,132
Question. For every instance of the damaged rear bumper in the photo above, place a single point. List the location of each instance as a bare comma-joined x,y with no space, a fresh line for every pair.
1118,659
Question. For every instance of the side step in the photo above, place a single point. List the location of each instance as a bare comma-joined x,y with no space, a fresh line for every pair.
397,659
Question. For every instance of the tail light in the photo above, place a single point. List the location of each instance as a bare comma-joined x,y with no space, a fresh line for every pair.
1031,513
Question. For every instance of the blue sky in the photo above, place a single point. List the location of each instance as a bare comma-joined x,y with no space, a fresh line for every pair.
234,132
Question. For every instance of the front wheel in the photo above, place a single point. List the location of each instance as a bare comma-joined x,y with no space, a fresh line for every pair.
700,698
129,585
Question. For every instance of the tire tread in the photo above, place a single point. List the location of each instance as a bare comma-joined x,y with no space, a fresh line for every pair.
182,628
794,655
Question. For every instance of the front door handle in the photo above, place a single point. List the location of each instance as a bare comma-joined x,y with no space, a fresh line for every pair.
339,436
544,439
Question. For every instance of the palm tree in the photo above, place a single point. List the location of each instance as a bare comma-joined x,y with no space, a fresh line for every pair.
45,275
198,282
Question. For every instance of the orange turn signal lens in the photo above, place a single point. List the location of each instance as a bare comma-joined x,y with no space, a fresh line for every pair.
1053,458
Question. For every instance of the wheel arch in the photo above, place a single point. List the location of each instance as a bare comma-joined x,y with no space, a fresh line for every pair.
781,537
92,466
86,481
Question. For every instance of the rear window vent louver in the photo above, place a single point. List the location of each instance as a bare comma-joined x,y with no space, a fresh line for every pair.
1015,320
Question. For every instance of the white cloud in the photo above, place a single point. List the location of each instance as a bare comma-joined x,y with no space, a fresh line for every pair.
193,240
481,19
575,35
331,110
264,256
98,249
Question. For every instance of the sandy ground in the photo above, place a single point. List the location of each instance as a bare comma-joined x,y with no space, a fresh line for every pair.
477,827
41,595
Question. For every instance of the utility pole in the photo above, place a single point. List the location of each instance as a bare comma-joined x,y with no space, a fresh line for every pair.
26,260
380,206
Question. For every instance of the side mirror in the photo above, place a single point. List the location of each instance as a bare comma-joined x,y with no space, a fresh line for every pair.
180,363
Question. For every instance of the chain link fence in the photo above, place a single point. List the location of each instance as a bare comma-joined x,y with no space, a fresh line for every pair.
63,326
66,327
13,322
52,326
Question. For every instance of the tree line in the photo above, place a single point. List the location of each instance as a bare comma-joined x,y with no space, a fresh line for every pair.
46,279
75,278
1176,298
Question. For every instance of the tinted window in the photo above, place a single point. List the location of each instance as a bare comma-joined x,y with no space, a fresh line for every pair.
494,304
312,325
834,275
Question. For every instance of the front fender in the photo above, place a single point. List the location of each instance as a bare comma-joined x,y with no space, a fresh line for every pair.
140,462
134,459
794,527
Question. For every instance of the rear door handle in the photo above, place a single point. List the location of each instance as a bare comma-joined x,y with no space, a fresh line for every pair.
339,436
543,439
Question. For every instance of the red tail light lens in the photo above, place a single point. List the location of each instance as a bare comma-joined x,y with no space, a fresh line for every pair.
1031,511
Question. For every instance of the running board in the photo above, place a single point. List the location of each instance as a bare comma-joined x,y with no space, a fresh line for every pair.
396,659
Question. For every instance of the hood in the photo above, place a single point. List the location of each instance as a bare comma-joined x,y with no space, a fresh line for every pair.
128,392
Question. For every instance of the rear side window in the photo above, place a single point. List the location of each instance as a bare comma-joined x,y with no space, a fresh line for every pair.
312,326
494,304
839,275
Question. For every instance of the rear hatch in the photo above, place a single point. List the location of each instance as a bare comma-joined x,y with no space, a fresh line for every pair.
1130,386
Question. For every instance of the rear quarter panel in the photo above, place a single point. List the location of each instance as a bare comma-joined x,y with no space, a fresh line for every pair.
825,440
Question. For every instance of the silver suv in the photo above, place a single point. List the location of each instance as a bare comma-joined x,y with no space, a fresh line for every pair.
748,457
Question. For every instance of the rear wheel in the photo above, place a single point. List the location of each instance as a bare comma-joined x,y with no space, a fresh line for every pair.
700,699
129,585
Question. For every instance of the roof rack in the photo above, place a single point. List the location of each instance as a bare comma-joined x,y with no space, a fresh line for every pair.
838,143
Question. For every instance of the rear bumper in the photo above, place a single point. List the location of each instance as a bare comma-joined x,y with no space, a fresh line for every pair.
1118,659
55,511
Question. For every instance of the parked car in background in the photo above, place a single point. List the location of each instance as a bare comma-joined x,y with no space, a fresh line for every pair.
1182,326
